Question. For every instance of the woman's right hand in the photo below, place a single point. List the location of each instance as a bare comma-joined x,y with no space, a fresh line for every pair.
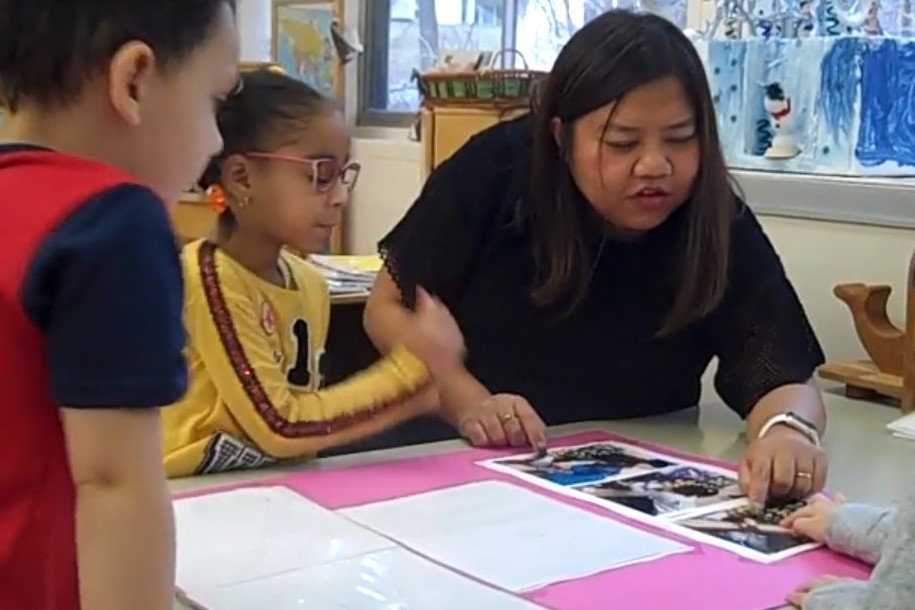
503,420
812,521
434,336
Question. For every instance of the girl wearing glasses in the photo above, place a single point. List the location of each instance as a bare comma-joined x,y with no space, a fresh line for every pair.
257,316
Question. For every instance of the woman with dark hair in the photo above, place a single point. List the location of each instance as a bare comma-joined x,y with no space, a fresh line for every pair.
597,257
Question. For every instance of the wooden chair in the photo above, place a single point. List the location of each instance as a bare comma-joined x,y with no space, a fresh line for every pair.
890,372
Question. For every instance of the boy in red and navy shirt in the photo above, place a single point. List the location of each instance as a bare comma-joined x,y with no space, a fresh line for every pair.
108,113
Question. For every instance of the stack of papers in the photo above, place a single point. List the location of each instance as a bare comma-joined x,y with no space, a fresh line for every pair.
347,274
904,427
270,548
472,546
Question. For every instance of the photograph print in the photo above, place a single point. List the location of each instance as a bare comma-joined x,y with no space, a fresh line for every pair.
668,492
592,463
748,532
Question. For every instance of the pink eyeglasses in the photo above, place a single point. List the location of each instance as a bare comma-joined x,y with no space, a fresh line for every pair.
325,171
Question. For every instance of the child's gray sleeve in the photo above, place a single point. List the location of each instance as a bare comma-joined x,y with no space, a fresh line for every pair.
860,531
891,586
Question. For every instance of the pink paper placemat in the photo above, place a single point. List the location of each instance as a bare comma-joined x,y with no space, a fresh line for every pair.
709,578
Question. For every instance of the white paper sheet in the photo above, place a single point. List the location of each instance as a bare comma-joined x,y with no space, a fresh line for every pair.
510,536
246,534
903,427
387,580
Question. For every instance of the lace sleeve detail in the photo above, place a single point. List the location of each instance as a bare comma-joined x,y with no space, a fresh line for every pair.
764,339
437,243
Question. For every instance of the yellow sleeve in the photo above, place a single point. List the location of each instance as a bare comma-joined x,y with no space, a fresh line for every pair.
409,375
224,325
405,377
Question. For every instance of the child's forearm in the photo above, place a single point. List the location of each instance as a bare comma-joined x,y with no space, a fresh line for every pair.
125,539
305,423
410,408
860,531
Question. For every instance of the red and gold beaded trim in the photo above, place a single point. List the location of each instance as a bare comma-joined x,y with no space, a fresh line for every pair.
246,374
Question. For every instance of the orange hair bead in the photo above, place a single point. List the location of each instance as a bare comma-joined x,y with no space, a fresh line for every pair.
217,198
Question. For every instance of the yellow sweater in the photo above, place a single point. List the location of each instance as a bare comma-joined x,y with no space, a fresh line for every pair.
254,352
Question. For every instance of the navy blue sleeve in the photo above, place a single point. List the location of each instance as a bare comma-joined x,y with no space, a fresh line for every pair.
107,289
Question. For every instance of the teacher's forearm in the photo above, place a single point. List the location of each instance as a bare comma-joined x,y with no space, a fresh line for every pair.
385,322
803,399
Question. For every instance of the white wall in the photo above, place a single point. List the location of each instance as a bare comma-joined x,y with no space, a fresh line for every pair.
390,180
817,254
255,24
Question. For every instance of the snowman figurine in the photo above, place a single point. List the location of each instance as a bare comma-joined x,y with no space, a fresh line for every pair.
778,105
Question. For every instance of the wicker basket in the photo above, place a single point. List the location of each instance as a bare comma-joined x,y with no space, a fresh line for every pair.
487,87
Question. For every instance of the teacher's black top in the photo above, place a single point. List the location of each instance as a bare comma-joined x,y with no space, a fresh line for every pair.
605,360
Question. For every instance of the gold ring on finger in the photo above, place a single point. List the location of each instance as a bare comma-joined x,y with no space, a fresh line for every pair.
506,417
803,475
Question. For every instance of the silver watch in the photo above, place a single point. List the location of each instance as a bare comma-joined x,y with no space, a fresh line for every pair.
795,422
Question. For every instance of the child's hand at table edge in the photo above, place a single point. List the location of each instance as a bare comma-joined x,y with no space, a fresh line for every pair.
812,521
797,597
434,336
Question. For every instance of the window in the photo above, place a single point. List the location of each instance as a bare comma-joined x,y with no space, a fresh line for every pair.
406,36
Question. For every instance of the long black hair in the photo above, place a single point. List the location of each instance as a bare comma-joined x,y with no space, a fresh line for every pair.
606,59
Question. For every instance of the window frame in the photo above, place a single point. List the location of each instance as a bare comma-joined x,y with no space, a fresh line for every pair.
373,64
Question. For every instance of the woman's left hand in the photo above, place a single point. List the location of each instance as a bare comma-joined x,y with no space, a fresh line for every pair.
782,464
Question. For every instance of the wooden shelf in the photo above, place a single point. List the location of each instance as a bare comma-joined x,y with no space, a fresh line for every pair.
445,130
863,380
